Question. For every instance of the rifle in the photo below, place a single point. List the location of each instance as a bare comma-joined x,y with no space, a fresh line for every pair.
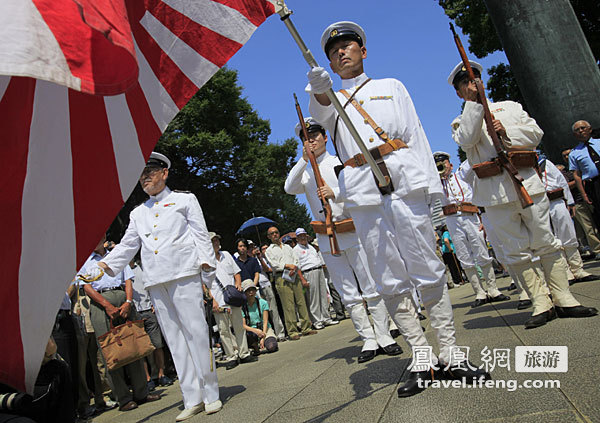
503,158
384,184
333,244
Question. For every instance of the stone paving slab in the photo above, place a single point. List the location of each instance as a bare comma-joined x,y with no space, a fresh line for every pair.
317,378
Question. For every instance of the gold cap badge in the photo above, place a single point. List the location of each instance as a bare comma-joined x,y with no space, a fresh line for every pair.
333,33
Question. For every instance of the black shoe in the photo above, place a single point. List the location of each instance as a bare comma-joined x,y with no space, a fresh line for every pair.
231,364
394,333
165,381
465,371
512,287
498,298
523,304
366,355
587,278
479,302
392,349
249,359
417,382
577,311
421,316
540,319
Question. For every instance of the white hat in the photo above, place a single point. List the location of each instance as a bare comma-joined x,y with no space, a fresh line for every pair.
342,29
441,155
311,126
158,160
248,284
460,67
300,231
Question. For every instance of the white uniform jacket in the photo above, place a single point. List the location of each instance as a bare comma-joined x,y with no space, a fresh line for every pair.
390,106
554,179
171,231
302,181
469,131
456,189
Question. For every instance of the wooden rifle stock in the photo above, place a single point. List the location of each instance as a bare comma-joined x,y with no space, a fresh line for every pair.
333,243
503,159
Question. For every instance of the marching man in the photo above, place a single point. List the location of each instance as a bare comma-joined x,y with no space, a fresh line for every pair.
353,259
463,225
394,228
178,258
523,232
559,195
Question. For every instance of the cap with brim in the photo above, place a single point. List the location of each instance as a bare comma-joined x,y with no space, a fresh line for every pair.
247,284
311,126
212,235
300,231
286,238
158,160
439,156
460,71
342,29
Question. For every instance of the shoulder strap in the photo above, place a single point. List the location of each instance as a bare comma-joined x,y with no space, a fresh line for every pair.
338,116
368,119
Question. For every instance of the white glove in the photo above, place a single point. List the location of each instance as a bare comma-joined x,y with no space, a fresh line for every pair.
208,277
94,273
319,81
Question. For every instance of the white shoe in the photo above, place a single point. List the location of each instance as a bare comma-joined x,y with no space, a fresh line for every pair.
330,322
318,326
213,407
190,412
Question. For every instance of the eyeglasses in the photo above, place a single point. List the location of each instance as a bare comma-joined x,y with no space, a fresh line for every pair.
581,128
148,171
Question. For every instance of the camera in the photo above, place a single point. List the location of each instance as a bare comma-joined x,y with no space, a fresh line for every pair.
15,401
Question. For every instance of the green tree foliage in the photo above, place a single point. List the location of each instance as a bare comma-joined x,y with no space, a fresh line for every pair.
473,18
219,151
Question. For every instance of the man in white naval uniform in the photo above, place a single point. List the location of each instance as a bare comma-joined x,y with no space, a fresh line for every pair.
353,259
178,258
466,174
559,195
523,232
395,229
463,225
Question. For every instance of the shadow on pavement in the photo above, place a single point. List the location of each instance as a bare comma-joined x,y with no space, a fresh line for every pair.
228,392
387,371
347,353
485,322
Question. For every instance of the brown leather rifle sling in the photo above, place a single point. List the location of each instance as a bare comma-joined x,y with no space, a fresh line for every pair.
377,152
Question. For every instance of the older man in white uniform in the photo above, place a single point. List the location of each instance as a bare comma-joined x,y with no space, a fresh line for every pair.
178,258
353,259
463,225
559,195
395,229
523,232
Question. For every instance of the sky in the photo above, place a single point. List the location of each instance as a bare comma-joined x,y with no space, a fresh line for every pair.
407,40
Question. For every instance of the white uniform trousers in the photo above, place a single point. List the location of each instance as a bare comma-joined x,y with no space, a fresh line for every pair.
525,233
499,251
235,345
471,250
350,268
179,307
317,301
400,244
564,229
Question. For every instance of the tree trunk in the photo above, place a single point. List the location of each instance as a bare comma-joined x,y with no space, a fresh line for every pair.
553,65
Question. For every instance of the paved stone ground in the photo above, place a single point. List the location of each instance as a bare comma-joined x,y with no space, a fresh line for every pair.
317,379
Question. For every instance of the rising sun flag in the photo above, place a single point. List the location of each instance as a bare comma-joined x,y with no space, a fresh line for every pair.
86,89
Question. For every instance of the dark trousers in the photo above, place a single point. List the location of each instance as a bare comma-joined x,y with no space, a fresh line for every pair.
452,263
592,189
66,344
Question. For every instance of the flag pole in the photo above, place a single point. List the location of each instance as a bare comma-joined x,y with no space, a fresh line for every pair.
282,10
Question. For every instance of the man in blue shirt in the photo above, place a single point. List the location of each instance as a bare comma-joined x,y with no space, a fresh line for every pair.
582,162
249,266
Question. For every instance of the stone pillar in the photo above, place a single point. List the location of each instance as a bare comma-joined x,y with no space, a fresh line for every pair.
553,65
